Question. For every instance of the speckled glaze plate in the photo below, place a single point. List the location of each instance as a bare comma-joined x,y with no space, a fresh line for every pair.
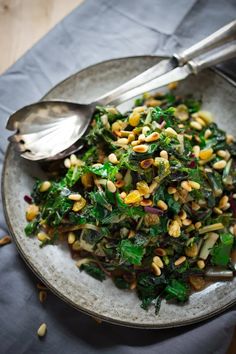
53,264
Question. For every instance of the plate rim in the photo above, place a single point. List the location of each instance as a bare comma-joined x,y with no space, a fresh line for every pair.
55,290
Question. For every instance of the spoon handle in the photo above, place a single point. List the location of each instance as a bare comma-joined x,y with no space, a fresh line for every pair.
223,35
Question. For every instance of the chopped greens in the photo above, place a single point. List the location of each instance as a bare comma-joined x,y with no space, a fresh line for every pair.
150,201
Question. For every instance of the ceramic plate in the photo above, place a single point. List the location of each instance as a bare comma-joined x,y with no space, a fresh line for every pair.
53,264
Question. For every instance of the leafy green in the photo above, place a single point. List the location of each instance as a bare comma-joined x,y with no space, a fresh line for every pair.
93,270
177,290
32,227
131,252
221,252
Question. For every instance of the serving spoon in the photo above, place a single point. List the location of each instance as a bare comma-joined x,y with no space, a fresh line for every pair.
49,130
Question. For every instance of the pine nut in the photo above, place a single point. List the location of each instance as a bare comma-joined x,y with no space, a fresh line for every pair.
173,85
185,185
44,186
111,187
170,132
229,138
104,119
146,163
219,165
164,154
141,137
131,138
152,137
196,125
201,264
42,236
221,153
31,212
162,205
133,285
74,196
198,225
73,159
42,296
217,211
113,159
67,163
140,109
71,238
123,195
120,184
187,222
180,260
157,260
194,185
195,206
200,121
146,202
156,269
206,116
140,148
122,141
196,150
207,134
42,330
152,187
160,252
135,143
183,215
5,240
171,190
206,154
223,201
145,130
131,234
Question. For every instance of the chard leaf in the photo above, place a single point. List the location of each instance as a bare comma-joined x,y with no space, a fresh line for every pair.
130,252
221,252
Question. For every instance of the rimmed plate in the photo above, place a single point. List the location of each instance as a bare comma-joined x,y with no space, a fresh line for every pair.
53,264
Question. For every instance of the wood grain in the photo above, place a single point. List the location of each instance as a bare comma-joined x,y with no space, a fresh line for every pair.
24,22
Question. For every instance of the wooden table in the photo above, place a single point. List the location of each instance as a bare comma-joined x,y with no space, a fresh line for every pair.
23,23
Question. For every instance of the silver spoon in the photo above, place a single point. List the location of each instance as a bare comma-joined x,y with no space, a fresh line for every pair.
52,129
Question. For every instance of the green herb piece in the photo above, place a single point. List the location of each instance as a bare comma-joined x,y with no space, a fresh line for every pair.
131,253
221,252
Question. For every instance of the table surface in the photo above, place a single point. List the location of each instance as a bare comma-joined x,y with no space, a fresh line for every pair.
23,23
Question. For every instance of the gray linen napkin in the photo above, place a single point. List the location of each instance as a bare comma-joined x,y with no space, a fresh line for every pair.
95,31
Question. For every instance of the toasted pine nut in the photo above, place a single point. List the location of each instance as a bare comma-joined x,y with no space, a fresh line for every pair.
67,163
134,118
194,185
196,125
135,142
219,165
122,141
153,186
187,222
201,264
104,119
196,150
71,238
198,225
229,138
111,187
183,215
206,116
173,85
223,201
222,153
140,148
141,137
164,154
146,163
207,134
42,296
73,159
5,240
217,211
162,205
200,121
152,137
195,206
156,269
180,260
120,184
170,132
171,190
157,260
42,330
123,195
140,109
146,202
74,196
113,159
145,130
160,252
185,185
